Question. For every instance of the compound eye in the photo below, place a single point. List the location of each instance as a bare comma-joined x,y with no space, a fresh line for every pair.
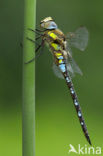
52,25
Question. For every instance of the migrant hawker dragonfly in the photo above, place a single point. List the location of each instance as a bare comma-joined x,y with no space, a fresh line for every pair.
64,65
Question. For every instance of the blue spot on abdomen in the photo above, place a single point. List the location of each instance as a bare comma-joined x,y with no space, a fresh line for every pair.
62,67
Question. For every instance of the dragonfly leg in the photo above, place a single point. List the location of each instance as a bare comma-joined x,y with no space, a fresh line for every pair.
37,37
38,48
35,31
39,45
40,30
21,44
34,57
30,61
32,40
41,51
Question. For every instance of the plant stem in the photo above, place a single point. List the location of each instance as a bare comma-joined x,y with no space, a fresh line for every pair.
28,108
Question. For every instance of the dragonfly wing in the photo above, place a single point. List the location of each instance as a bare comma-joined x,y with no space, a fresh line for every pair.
73,67
70,70
57,71
79,38
68,48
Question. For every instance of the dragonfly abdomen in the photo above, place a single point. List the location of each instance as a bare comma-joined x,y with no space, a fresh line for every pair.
61,62
77,106
63,68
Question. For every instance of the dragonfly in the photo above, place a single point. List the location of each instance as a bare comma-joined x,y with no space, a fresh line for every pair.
64,65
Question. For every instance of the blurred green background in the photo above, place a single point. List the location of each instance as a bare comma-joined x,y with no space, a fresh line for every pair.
57,125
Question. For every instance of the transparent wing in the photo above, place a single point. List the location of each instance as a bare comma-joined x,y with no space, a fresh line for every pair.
75,68
56,71
72,68
79,38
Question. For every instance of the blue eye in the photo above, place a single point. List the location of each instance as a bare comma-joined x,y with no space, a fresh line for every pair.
52,25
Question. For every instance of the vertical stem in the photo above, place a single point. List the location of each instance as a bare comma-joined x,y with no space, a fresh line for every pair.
28,108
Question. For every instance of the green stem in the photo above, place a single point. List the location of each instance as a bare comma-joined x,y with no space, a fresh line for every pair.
28,109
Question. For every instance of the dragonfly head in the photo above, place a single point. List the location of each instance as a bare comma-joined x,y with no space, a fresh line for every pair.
48,23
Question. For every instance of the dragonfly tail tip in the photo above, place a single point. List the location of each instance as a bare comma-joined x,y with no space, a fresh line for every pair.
89,141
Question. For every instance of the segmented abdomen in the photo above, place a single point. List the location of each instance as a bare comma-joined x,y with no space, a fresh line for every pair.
77,106
62,66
